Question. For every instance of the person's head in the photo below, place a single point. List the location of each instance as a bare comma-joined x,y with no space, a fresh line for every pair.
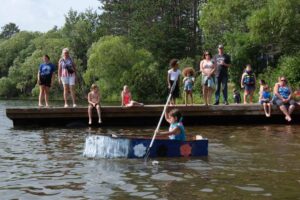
65,53
174,63
266,88
235,91
46,58
221,49
206,55
248,68
126,88
94,87
175,115
262,82
188,71
282,80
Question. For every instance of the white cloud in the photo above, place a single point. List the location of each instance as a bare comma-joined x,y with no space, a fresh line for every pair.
40,15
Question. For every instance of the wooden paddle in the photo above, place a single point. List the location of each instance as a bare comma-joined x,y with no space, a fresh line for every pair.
160,120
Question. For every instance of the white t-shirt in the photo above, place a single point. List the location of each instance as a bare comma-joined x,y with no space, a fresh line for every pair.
174,74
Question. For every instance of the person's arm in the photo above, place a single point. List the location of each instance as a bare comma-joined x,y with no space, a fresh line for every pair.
200,65
213,69
59,71
167,118
175,131
169,82
291,94
261,96
227,62
52,78
122,101
242,80
90,99
185,78
38,77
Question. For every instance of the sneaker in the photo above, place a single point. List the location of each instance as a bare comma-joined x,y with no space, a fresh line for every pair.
216,103
66,105
99,121
74,105
226,103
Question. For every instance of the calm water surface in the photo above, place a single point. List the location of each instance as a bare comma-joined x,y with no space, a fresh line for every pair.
244,162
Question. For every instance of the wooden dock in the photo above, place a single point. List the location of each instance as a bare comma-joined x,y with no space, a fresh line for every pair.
147,115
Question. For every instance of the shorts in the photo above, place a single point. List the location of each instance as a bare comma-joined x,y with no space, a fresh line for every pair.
188,87
68,80
264,101
45,81
208,82
249,88
175,93
279,102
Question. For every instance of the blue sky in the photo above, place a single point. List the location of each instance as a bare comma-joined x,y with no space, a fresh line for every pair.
40,15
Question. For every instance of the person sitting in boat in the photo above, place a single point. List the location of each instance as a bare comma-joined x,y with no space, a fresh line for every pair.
176,129
126,98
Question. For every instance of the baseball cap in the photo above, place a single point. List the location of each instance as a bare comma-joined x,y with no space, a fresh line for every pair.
220,46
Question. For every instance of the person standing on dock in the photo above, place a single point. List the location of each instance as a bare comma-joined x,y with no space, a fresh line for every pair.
248,82
45,79
223,62
67,76
173,77
207,67
94,102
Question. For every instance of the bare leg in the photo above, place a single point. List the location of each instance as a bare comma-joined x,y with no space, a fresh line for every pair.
90,113
66,91
46,96
291,109
185,97
209,95
205,95
192,99
245,97
266,109
99,114
251,97
270,108
285,112
41,95
72,90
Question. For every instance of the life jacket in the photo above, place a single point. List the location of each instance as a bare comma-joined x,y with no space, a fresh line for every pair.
249,78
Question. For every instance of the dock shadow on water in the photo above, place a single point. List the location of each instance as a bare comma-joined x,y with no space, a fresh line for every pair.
244,162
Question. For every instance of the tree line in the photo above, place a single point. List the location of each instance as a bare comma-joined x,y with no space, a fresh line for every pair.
132,41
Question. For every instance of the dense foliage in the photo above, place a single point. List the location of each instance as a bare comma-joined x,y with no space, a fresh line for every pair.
131,42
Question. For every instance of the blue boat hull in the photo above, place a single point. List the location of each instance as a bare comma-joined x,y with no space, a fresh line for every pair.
168,148
99,146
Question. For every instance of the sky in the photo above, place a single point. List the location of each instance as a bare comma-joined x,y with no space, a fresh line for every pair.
41,15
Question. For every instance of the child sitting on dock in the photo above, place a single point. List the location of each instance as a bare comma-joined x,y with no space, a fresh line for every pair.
126,98
248,83
188,82
176,129
94,99
265,100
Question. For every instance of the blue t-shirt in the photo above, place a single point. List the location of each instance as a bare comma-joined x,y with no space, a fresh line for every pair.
181,136
47,69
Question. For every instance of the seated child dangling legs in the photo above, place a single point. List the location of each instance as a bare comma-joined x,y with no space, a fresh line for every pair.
248,83
126,98
188,82
93,100
265,100
176,129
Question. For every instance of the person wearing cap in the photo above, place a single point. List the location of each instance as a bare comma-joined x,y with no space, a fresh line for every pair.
67,75
223,62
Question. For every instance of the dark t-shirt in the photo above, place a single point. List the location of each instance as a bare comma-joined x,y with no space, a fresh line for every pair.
221,69
46,69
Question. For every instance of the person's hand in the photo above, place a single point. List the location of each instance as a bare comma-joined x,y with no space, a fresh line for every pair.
169,86
156,132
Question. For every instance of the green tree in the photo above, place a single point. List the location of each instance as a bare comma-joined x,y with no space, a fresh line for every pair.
9,30
113,62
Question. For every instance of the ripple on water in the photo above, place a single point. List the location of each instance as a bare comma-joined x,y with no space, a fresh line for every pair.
206,190
165,177
250,188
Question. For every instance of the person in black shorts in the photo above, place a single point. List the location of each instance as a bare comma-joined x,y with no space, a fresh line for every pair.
45,79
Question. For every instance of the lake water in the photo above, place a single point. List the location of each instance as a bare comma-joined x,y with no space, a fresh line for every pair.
244,162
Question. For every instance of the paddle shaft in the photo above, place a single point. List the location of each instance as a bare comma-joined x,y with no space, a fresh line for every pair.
161,118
